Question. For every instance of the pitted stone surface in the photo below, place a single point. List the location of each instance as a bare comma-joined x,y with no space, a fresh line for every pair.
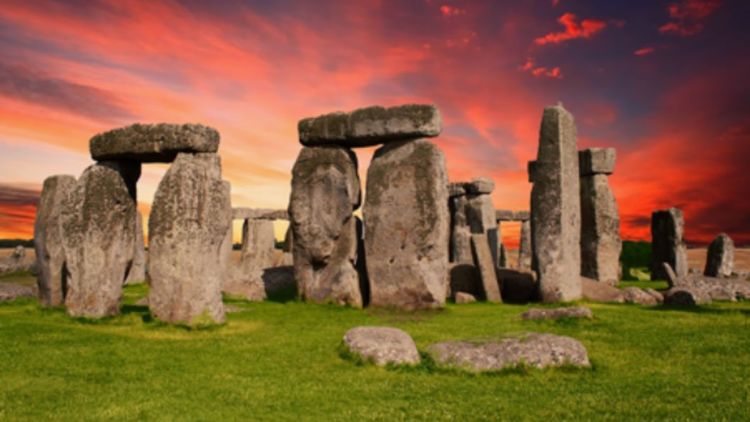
382,345
597,161
190,217
720,257
48,240
153,142
557,313
325,191
407,226
600,231
98,232
668,243
371,126
533,349
556,208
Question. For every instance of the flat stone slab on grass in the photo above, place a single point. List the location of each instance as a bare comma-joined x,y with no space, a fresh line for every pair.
382,345
153,142
371,126
646,297
557,313
533,349
12,291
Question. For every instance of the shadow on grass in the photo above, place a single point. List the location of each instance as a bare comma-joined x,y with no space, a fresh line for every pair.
697,309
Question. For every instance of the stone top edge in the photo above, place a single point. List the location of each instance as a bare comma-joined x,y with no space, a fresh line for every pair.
153,142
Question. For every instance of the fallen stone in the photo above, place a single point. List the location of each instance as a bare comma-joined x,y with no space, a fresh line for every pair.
153,142
483,261
382,345
407,226
668,244
12,291
325,191
460,236
600,230
655,294
640,296
137,272
535,350
720,257
190,216
686,296
98,231
461,298
597,161
558,313
600,292
371,126
279,280
556,209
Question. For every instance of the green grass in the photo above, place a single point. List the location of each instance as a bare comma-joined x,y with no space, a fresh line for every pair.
282,361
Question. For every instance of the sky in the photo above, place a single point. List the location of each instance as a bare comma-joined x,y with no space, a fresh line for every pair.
664,82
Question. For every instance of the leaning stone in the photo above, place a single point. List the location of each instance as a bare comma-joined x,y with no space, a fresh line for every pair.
557,313
480,185
407,226
535,350
12,291
485,264
48,240
461,298
600,230
382,345
720,259
153,142
597,161
668,244
371,126
98,232
556,209
686,296
600,292
639,296
137,272
190,217
325,191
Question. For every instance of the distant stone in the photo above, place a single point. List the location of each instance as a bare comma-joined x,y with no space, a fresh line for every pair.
640,296
407,226
600,292
16,261
535,350
371,126
279,280
668,243
456,189
597,161
480,216
509,215
686,296
517,286
461,298
153,142
250,287
12,291
524,247
480,185
655,294
137,272
720,259
258,246
460,231
382,345
557,313
259,214
484,262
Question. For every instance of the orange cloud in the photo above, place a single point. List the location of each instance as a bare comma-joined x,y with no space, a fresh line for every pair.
585,29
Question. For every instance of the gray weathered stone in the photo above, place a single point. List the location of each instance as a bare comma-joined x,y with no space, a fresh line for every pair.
382,345
407,225
479,186
595,291
190,217
600,228
460,236
13,291
371,126
48,240
720,257
98,231
456,189
556,209
486,265
510,215
480,213
153,142
288,240
597,161
524,247
325,191
258,246
686,296
461,297
557,313
259,214
227,245
641,296
533,349
667,243
137,272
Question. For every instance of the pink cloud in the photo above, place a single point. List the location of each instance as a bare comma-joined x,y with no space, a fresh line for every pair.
686,16
447,10
573,29
645,51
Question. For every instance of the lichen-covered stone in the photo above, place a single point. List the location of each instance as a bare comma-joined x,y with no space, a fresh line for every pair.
382,345
325,191
407,226
190,217
48,240
153,142
556,208
720,257
137,272
371,126
98,231
668,243
597,161
600,230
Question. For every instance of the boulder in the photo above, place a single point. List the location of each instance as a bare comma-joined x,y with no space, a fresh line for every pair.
720,257
16,261
371,126
557,313
382,345
484,262
98,234
533,349
600,292
190,217
13,291
250,288
137,272
325,191
407,226
668,244
461,298
153,142
686,296
641,296
556,208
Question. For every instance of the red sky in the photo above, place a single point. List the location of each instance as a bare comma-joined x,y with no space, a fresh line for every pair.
664,82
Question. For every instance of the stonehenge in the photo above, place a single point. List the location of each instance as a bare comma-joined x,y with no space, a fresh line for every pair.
137,272
668,243
720,257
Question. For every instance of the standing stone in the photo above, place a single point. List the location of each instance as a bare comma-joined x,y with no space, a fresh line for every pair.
227,244
48,240
668,244
524,247
407,226
288,240
257,254
480,212
720,258
325,191
486,265
98,228
460,236
600,219
556,208
137,273
190,217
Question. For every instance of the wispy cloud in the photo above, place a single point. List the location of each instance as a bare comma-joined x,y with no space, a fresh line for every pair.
573,29
645,51
686,16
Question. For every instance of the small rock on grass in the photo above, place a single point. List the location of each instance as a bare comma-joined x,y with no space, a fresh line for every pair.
382,345
557,313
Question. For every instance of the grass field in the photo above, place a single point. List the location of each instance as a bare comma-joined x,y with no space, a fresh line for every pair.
280,361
